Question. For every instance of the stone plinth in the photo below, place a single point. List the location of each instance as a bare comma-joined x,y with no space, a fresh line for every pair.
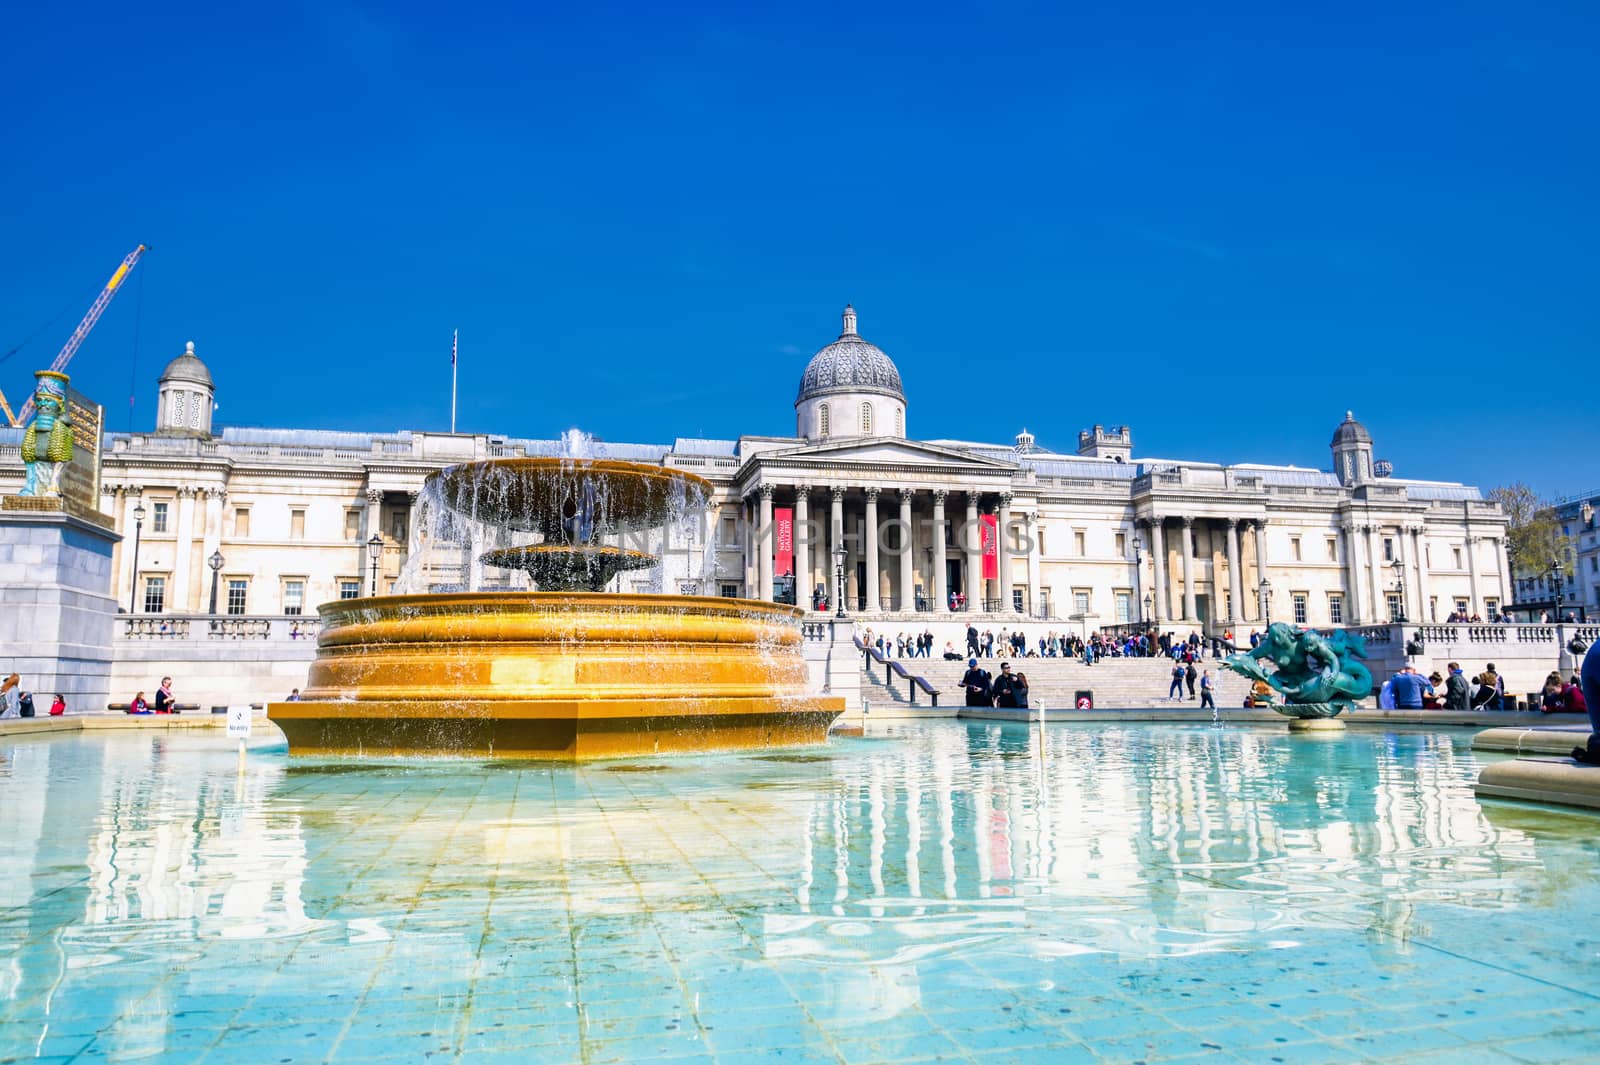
1315,724
56,611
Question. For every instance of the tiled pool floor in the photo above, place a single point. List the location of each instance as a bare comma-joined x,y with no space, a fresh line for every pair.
944,893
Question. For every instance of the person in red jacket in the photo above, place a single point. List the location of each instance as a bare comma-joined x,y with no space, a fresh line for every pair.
58,707
1572,696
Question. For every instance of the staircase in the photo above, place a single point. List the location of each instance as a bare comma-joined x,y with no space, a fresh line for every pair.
1117,683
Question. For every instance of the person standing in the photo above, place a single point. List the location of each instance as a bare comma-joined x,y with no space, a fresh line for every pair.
1455,689
975,683
1175,689
1189,676
11,697
1019,691
972,640
1004,690
1207,697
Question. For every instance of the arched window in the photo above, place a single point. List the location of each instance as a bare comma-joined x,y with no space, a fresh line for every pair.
899,421
822,420
866,419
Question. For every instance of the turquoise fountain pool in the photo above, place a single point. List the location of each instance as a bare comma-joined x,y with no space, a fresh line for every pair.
942,892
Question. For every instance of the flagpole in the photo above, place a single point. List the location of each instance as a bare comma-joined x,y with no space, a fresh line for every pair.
454,338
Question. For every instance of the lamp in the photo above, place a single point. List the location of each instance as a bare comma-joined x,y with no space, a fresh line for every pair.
839,556
138,524
1148,605
1400,588
1556,567
1266,600
374,552
215,562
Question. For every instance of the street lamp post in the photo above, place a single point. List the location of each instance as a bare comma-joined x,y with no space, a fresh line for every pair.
374,552
215,562
1400,590
1138,575
1144,619
138,525
839,557
1555,568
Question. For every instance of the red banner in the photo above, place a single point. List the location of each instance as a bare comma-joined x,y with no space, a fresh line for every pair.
990,524
783,541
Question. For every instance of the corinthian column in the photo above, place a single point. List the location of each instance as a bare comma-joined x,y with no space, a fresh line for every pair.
764,543
802,546
1188,569
941,594
974,546
908,576
1003,553
1235,576
871,533
1160,612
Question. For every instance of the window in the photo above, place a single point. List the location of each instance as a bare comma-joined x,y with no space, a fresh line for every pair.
823,426
1080,602
241,522
1455,556
155,595
1078,542
1393,602
294,597
158,517
1294,547
1124,608
1299,600
1388,549
352,523
349,589
1492,606
1122,545
1461,606
899,422
731,591
1336,609
1333,549
397,526
238,589
1016,601
730,531
866,419
297,524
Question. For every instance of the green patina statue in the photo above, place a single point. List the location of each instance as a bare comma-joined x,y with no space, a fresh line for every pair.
1317,676
47,441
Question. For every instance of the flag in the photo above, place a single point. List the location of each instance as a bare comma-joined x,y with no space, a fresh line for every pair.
454,336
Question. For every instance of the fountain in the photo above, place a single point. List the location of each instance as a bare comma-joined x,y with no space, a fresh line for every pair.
566,672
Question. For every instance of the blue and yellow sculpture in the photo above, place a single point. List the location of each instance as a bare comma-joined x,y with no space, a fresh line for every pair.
47,441
1316,675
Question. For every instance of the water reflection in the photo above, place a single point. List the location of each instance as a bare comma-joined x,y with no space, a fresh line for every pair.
146,878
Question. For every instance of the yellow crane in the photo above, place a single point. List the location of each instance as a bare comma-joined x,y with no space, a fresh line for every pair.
70,348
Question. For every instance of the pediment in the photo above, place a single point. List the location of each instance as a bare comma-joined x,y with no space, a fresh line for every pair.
884,452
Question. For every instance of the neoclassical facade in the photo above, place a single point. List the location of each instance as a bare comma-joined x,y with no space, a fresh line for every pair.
1097,535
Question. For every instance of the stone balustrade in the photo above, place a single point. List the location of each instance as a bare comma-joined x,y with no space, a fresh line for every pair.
179,628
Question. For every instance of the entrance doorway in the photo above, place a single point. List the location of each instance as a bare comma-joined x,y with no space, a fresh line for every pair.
952,580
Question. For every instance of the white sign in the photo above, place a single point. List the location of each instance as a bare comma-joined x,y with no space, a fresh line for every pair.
239,722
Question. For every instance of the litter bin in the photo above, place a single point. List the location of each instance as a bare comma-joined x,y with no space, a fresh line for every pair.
1083,699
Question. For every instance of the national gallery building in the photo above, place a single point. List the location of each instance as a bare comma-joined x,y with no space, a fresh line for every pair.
272,522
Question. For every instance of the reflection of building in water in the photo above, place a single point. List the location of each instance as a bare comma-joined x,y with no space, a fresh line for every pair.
1143,843
175,857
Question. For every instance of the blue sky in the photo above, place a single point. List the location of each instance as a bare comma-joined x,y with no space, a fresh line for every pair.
1222,225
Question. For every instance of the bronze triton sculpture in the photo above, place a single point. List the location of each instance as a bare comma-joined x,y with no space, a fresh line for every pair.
1317,676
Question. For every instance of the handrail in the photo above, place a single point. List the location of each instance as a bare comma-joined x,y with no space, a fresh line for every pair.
891,667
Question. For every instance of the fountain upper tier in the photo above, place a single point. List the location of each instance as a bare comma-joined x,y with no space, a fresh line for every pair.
568,500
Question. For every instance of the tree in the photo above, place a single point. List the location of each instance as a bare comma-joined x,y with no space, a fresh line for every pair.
1533,533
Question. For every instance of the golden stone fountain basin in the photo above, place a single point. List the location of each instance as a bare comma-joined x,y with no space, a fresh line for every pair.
558,675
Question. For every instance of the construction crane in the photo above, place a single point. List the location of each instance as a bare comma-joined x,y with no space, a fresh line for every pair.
70,348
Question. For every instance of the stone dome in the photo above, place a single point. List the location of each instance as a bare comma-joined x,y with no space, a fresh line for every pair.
1350,431
850,364
187,367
